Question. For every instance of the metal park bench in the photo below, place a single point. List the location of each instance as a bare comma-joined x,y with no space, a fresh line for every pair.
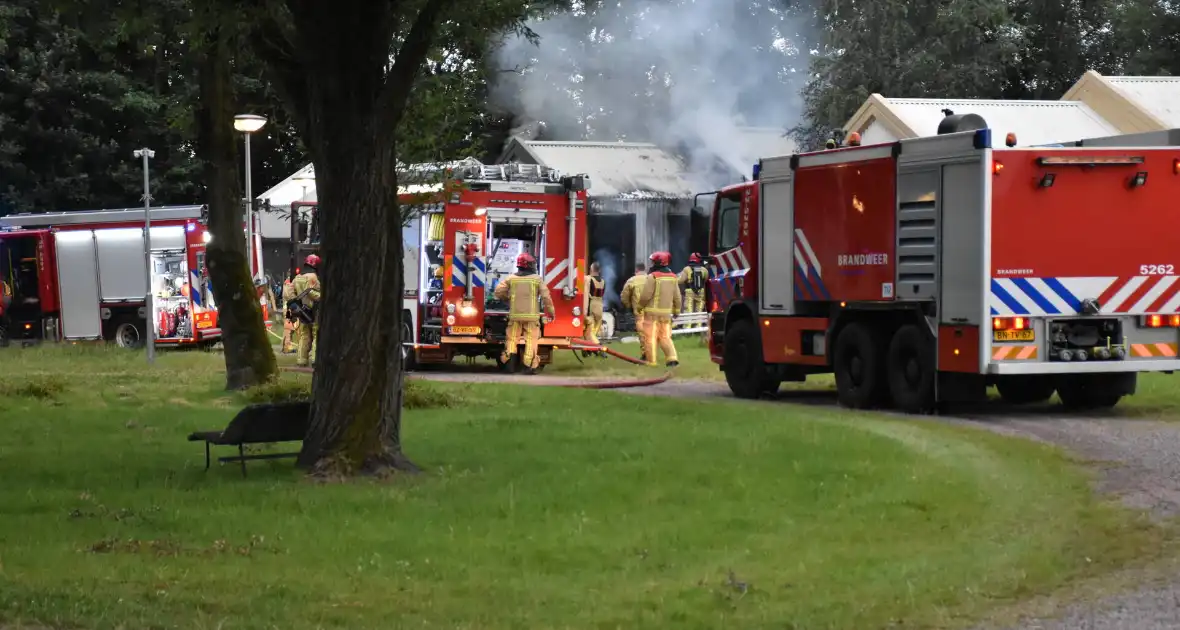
267,423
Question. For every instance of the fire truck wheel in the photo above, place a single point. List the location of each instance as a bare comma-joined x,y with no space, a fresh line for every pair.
860,379
1082,394
128,333
911,367
745,371
1025,390
409,359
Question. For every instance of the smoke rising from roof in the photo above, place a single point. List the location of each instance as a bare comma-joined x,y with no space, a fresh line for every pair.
688,75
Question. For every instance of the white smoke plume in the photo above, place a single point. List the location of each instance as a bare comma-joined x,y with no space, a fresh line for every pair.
688,75
610,274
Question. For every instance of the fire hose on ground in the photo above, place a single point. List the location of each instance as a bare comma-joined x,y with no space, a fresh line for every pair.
578,344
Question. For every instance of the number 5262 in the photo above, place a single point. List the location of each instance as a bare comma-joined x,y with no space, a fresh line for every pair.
1156,270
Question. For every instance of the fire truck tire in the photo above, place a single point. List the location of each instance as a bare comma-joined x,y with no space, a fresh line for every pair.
1082,394
745,371
128,332
409,356
857,362
912,370
1025,390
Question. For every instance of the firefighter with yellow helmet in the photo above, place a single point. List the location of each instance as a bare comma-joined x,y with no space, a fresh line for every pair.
305,308
595,290
522,290
630,299
660,301
693,278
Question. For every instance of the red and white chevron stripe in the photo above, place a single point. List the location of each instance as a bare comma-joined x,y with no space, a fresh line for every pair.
730,261
556,270
1142,294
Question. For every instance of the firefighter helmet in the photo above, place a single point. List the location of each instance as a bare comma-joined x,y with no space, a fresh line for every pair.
854,139
661,259
312,260
438,271
695,257
526,260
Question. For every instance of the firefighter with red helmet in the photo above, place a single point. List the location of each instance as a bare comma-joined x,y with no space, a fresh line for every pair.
660,301
693,278
305,308
522,290
595,290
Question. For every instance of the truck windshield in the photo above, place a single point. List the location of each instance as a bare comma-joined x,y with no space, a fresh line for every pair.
729,208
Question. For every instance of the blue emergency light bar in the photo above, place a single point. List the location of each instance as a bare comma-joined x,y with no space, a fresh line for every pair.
983,138
757,170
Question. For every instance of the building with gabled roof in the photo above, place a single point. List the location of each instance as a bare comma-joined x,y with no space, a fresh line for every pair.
1094,107
1133,104
883,119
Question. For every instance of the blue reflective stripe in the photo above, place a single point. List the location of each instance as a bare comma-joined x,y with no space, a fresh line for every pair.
1031,292
1007,299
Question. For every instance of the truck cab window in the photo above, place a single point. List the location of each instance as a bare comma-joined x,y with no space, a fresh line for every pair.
729,210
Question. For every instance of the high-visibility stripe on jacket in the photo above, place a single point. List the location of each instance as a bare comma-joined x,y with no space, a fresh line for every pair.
661,295
522,293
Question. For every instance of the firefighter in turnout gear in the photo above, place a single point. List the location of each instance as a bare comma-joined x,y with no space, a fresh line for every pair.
307,299
595,289
290,323
522,290
693,278
630,299
660,301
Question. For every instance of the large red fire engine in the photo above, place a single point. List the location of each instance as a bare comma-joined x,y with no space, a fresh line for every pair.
925,270
463,239
81,275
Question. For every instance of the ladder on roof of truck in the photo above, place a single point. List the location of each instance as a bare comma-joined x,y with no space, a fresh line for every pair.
81,217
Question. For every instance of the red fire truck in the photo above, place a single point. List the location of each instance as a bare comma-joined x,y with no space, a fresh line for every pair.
468,223
467,229
923,271
81,275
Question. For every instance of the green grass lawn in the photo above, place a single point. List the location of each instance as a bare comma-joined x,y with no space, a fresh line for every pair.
539,508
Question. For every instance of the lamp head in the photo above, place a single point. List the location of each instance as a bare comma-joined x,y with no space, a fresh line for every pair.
249,123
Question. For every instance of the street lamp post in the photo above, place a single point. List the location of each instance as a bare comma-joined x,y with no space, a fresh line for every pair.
149,301
248,124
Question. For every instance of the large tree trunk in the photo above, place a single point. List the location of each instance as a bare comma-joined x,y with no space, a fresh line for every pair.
356,410
347,99
249,358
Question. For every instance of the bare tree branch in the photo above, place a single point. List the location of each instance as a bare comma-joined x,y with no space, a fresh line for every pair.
408,63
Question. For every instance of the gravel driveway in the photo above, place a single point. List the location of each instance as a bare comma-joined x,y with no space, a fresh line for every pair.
1138,461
